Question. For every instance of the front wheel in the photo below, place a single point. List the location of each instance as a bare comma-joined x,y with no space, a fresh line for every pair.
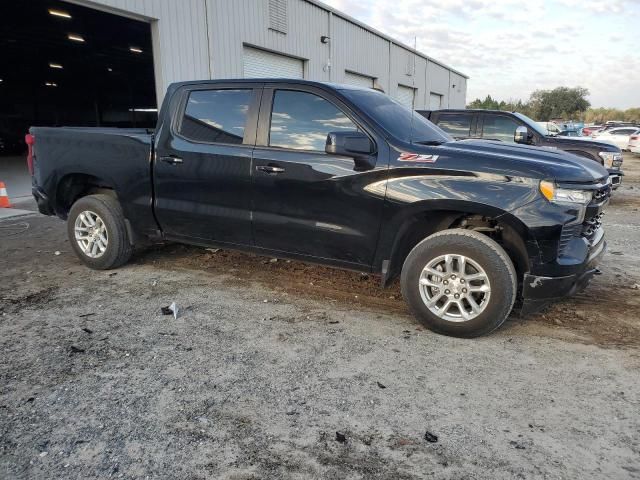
459,283
97,232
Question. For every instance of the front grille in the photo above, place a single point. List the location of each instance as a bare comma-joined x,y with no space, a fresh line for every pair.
591,225
569,232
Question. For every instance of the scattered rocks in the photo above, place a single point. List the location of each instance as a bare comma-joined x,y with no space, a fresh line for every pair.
430,437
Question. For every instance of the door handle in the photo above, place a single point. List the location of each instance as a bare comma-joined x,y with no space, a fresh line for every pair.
269,169
171,160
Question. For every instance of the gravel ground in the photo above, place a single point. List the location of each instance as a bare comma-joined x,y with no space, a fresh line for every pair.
286,370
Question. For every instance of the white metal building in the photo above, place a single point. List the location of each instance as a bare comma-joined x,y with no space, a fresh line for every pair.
202,39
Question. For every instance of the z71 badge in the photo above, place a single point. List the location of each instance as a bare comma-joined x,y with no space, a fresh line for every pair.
414,157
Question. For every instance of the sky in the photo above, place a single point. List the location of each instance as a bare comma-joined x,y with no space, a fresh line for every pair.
509,48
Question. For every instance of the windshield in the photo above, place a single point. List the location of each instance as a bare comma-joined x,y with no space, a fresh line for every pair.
531,124
400,121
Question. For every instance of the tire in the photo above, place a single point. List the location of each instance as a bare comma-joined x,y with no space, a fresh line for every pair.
487,269
117,249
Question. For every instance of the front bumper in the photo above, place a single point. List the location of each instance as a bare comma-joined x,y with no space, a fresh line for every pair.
616,177
538,291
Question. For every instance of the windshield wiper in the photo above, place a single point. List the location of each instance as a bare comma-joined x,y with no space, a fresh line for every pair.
429,142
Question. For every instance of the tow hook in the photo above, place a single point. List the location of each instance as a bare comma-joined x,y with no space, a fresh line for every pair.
597,271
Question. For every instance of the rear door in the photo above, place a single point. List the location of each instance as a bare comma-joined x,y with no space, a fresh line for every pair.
202,171
620,136
459,125
305,201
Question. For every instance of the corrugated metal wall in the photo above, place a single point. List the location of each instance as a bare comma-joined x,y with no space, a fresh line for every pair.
200,39
234,23
438,82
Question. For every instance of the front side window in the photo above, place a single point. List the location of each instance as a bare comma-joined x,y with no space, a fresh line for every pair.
499,127
401,122
458,125
302,121
216,116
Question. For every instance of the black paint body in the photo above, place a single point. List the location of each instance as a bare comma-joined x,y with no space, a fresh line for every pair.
323,208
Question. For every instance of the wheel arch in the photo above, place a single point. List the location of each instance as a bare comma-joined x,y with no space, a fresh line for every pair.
73,186
509,231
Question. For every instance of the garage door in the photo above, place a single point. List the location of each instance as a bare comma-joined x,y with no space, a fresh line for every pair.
405,95
358,80
435,101
261,64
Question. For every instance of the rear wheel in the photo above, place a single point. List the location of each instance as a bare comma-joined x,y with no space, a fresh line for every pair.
97,232
459,283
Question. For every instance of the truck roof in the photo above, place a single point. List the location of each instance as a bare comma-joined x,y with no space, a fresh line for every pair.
483,110
241,81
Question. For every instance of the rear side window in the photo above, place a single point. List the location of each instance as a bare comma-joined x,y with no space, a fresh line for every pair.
302,121
216,116
456,124
499,127
624,131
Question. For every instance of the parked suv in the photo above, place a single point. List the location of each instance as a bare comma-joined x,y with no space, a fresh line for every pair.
514,127
337,175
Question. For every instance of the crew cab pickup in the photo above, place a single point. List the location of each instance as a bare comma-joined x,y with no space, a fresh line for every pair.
514,127
337,175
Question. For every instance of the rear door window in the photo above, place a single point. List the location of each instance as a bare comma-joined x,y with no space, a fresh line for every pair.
458,125
499,127
216,116
624,131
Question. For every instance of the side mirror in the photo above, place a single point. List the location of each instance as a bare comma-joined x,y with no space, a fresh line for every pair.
351,143
521,135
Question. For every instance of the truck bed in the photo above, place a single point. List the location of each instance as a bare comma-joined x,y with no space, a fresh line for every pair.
116,158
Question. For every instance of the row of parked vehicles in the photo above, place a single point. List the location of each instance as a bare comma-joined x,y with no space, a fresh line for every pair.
624,135
504,217
626,138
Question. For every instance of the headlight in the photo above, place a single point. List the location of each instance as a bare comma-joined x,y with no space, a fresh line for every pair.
611,159
563,195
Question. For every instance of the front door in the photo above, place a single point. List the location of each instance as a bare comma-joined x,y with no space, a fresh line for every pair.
202,171
499,127
305,201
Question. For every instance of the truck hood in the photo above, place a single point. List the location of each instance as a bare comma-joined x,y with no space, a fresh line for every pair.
533,162
568,142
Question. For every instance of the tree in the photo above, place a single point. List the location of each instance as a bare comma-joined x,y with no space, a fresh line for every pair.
486,104
543,105
561,102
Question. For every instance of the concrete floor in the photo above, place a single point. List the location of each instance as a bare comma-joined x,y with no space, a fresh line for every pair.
15,174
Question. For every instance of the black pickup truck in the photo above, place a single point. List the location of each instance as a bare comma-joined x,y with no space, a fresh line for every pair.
514,127
336,175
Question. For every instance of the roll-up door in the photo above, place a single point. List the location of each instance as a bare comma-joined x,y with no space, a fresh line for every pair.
435,101
262,64
405,95
358,80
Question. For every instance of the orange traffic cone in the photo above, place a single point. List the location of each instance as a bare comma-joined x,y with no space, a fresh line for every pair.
4,198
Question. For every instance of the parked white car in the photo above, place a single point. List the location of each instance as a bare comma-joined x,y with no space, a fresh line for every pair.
550,127
634,143
618,136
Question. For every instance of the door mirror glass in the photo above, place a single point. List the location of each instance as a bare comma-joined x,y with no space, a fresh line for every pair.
521,135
